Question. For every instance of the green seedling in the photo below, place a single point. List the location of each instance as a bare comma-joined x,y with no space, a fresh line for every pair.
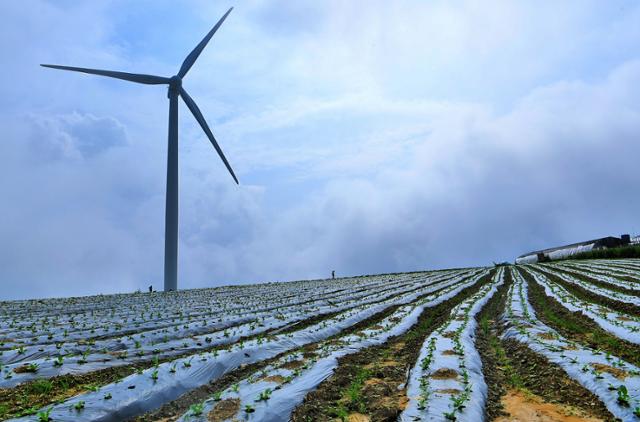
83,360
458,402
450,415
623,395
265,395
32,367
196,409
43,416
79,406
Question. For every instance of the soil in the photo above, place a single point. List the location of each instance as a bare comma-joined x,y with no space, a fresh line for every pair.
22,369
444,374
358,417
547,336
616,372
451,391
293,364
224,410
383,395
275,378
551,383
530,408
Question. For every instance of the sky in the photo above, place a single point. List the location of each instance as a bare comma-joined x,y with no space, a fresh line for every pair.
368,137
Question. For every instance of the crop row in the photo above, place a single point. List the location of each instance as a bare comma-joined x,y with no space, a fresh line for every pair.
297,336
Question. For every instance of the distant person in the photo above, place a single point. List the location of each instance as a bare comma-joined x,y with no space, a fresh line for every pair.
150,288
333,274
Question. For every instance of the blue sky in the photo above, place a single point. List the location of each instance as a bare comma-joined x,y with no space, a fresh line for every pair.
368,137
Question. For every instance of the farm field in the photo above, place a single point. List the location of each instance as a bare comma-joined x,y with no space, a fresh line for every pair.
547,342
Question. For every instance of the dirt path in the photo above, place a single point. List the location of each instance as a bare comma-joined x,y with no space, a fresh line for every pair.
521,407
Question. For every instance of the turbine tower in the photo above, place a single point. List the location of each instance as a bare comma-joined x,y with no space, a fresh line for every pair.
175,90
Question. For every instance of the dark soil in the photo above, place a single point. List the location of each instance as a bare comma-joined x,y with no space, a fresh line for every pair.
550,382
590,296
372,381
576,327
224,410
496,376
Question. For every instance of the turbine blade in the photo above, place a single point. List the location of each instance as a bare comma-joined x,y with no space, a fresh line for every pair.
132,77
193,56
198,115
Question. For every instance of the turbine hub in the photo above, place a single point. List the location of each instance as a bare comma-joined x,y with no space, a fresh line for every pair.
175,83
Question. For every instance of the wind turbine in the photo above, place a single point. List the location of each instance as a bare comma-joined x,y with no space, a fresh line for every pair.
175,90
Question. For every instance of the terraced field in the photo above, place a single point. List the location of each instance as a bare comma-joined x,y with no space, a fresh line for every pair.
545,342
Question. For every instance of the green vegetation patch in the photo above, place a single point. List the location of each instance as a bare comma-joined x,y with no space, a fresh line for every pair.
610,253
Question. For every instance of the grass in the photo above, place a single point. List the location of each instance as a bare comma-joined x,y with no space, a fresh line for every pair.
610,253
41,386
512,377
354,392
352,396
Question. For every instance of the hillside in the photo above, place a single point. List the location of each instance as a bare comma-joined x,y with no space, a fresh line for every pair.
528,342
